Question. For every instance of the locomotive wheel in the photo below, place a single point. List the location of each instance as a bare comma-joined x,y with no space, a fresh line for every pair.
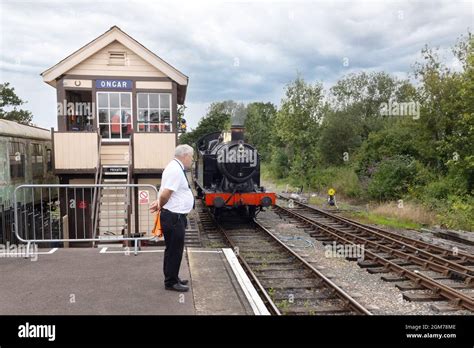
251,211
217,213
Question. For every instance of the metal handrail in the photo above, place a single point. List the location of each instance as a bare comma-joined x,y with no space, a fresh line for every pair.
98,169
129,178
97,205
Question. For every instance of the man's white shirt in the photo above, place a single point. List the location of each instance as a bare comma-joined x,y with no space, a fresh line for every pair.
182,199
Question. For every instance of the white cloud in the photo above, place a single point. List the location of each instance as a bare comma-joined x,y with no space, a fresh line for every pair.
271,40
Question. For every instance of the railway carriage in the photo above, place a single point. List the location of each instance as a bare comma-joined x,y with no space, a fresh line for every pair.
25,158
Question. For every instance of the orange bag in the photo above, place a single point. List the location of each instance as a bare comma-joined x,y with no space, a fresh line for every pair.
157,231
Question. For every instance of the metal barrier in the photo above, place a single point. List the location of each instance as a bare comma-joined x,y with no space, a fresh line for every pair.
65,213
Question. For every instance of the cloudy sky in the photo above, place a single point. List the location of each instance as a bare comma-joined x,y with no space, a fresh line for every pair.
240,50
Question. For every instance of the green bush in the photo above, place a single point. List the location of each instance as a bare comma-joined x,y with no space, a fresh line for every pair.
279,165
436,191
445,196
458,213
343,179
392,178
298,169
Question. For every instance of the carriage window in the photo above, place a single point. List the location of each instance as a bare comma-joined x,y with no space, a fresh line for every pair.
49,161
37,160
154,112
17,160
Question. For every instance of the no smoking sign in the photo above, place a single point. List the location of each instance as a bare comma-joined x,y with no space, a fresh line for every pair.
143,197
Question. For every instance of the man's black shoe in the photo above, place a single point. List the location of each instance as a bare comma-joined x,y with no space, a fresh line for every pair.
177,287
183,281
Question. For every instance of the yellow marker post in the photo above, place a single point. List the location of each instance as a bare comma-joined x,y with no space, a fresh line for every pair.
332,198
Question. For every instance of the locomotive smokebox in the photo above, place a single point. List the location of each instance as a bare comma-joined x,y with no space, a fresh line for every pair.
237,133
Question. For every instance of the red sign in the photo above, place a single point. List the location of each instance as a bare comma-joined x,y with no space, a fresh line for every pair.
143,197
82,204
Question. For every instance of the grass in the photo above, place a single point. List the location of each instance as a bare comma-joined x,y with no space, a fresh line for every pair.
350,197
321,202
406,212
317,200
377,219
272,184
407,216
283,305
271,293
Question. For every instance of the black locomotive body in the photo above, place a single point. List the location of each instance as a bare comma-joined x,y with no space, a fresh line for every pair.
227,173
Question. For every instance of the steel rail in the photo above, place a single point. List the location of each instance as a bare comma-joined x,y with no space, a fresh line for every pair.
348,301
431,261
457,297
340,293
462,255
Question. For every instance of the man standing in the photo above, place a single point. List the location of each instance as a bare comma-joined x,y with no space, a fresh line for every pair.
175,201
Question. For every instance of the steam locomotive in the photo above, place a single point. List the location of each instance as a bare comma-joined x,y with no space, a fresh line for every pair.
227,174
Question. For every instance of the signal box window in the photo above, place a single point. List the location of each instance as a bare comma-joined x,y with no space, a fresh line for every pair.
115,115
154,112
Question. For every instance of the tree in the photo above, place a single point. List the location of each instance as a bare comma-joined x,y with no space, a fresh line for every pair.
297,127
259,126
9,100
362,95
459,144
340,137
218,118
447,113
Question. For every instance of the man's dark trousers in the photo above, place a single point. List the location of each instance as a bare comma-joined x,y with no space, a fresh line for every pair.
173,226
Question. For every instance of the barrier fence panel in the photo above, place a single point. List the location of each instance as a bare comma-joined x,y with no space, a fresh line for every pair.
7,233
60,214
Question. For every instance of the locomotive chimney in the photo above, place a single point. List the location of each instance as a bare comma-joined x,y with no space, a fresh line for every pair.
237,133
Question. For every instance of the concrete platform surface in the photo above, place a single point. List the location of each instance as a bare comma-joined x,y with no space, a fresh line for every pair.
88,281
113,281
215,287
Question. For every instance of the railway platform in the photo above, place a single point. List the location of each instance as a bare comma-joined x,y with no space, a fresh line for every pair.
113,281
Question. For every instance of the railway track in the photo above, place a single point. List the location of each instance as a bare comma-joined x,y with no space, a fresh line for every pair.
418,265
287,283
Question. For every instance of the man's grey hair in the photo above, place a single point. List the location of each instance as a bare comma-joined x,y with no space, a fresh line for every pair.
183,150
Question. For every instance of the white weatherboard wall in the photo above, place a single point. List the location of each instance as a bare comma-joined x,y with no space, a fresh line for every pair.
75,150
163,145
98,64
